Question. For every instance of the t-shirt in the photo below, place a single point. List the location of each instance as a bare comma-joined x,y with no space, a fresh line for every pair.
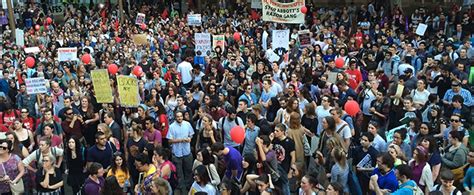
388,181
185,69
53,179
152,137
91,187
208,188
233,161
121,175
283,149
94,154
344,132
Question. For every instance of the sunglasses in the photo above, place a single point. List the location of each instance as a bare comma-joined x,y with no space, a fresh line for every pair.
454,120
3,147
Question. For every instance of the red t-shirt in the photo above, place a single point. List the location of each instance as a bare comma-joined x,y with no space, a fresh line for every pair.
356,76
7,119
29,124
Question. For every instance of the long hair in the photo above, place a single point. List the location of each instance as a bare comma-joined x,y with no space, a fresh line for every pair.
111,186
15,149
78,148
114,165
295,120
201,172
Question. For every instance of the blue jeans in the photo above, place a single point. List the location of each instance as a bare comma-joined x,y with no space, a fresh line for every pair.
184,166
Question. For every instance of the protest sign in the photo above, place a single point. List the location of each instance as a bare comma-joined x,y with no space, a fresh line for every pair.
275,11
20,37
203,43
256,4
305,38
67,54
35,85
128,91
281,39
194,19
140,39
32,50
421,29
140,19
265,40
57,11
101,83
218,41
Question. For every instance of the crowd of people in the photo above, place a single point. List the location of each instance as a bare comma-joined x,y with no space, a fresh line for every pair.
412,134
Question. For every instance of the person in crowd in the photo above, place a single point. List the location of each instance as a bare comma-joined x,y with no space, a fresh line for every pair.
446,186
95,182
119,169
135,145
104,128
164,166
161,186
112,187
407,186
421,169
334,189
434,158
340,170
75,161
44,149
17,147
232,158
208,134
468,180
102,151
384,176
49,178
364,158
12,168
455,154
151,134
148,170
202,182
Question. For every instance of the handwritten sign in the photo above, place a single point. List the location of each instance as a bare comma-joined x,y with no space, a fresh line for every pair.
35,85
32,50
281,39
20,37
421,29
67,54
304,37
101,83
140,39
194,20
218,41
128,91
275,11
140,19
203,43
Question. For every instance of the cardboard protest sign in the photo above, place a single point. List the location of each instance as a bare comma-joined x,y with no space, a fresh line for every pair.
218,41
128,91
101,84
32,50
194,20
20,37
281,39
35,85
421,29
203,43
140,39
275,11
67,54
305,38
140,19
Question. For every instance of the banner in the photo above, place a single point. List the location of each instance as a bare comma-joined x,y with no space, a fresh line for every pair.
203,43
140,39
20,37
67,54
218,41
140,19
256,4
35,85
101,84
305,38
194,19
32,50
280,39
128,91
274,11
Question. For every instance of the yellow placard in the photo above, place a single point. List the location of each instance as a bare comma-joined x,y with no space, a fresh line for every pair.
101,83
140,39
128,91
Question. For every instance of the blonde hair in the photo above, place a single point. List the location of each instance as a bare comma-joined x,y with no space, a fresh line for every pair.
106,129
162,185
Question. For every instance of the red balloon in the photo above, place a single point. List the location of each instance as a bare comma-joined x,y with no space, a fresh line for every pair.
137,71
86,58
37,27
236,36
113,68
143,26
30,62
237,134
339,62
49,20
352,107
304,9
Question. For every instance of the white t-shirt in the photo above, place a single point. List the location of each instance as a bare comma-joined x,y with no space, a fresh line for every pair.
420,97
208,188
345,133
185,69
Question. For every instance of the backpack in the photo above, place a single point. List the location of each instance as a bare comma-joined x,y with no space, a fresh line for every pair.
38,154
438,188
353,183
416,190
56,127
173,179
222,121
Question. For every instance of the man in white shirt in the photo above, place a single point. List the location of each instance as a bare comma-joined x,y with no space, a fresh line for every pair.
342,128
185,69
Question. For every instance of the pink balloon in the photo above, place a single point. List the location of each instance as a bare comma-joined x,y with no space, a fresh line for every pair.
113,68
352,107
30,62
237,134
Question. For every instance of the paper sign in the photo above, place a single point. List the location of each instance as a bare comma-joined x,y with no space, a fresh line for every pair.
67,54
140,39
264,40
256,4
305,38
275,11
421,29
281,39
32,50
20,37
35,85
140,19
194,19
101,84
218,41
332,77
128,91
203,43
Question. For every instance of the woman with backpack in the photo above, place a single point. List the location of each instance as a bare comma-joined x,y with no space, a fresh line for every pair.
165,168
340,169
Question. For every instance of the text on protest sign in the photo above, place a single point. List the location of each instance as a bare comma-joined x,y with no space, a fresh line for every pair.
35,85
203,43
67,54
194,19
281,39
283,12
101,83
218,41
140,19
305,38
128,91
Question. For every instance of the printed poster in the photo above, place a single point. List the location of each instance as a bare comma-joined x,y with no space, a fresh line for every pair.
101,84
203,43
194,19
275,11
305,38
140,19
218,41
140,39
281,39
35,85
67,54
421,29
20,37
128,91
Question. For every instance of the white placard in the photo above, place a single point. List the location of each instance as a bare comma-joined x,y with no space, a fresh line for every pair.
256,4
67,54
421,29
275,11
264,40
281,39
35,85
20,37
194,20
203,43
140,18
32,50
